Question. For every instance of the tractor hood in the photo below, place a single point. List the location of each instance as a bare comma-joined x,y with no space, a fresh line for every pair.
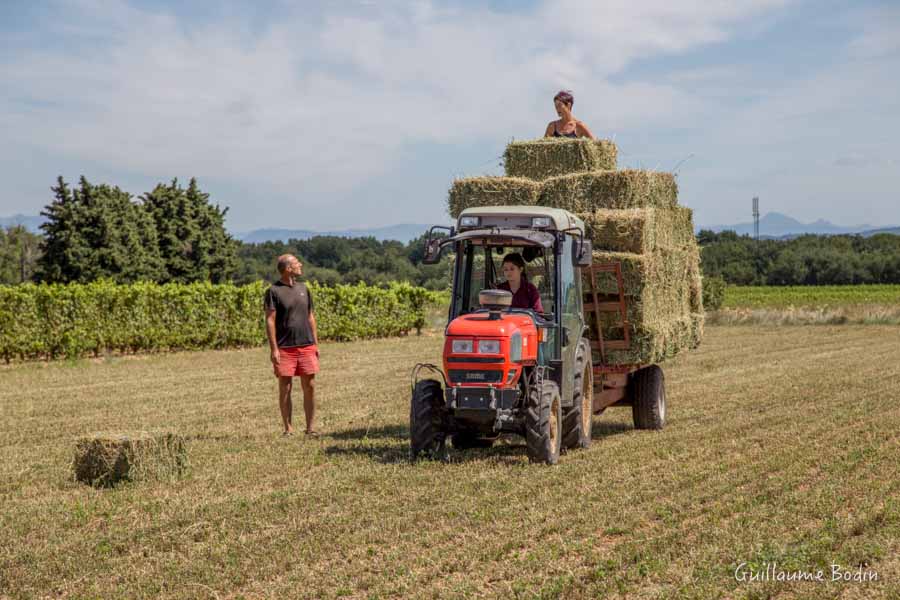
480,325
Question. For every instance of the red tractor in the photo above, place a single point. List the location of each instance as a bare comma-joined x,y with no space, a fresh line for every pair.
513,370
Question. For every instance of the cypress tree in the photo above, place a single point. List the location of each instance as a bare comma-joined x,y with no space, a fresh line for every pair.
63,247
193,242
97,231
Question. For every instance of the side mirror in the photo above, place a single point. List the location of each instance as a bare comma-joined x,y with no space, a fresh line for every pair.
584,253
432,252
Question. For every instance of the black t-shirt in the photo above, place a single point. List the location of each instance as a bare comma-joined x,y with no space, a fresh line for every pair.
292,306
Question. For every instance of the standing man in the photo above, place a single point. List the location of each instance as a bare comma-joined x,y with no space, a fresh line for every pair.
291,329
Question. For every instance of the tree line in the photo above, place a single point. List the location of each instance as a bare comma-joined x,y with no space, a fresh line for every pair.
804,260
175,234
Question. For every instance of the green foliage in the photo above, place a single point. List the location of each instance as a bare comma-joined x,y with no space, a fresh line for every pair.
713,293
98,232
52,321
335,260
192,239
810,296
19,252
805,260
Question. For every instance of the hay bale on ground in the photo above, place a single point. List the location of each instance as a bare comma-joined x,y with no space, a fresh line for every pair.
492,191
631,188
104,459
547,157
639,230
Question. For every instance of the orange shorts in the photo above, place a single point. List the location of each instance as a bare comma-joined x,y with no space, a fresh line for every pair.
301,360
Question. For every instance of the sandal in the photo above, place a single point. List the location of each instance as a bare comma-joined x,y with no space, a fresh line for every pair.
312,433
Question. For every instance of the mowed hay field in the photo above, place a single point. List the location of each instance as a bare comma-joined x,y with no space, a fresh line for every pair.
783,445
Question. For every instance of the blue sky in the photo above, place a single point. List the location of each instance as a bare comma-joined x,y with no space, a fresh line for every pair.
322,115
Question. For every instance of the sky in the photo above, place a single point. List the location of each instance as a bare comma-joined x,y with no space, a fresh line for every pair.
354,114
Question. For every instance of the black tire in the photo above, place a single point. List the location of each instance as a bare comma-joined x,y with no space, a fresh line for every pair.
578,419
648,396
543,421
468,439
427,423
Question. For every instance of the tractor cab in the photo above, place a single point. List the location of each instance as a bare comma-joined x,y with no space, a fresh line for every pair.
508,368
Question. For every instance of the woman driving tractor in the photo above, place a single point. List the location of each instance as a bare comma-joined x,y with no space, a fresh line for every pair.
525,294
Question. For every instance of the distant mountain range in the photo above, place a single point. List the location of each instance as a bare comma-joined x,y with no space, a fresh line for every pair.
772,225
777,225
404,233
32,224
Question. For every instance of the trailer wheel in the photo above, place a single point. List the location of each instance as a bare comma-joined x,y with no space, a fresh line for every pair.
578,420
648,395
543,419
427,430
468,439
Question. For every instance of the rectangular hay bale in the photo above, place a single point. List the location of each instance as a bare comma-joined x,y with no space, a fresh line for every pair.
655,343
658,299
492,191
547,157
695,281
104,459
639,230
630,188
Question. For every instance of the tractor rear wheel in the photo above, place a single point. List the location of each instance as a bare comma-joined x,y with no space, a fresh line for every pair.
578,419
427,430
543,418
648,396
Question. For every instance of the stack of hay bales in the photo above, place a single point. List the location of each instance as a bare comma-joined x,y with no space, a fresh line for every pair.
105,459
632,216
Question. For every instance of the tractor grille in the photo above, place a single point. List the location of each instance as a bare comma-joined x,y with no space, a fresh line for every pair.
473,376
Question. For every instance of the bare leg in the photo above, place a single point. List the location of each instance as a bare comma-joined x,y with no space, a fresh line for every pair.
284,402
308,382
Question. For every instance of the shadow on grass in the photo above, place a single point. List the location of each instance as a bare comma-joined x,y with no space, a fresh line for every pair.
380,452
602,429
392,453
398,432
389,444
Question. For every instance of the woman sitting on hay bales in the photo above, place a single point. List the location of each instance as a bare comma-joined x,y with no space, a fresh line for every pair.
567,125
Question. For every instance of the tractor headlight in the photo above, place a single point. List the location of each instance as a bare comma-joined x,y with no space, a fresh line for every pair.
538,222
461,346
489,347
469,221
515,347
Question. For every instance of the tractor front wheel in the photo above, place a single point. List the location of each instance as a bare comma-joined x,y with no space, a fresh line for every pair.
427,429
648,396
543,420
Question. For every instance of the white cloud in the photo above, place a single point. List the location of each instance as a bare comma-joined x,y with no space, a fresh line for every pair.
322,100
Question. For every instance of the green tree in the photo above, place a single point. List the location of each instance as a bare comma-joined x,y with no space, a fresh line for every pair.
193,242
64,248
97,232
19,253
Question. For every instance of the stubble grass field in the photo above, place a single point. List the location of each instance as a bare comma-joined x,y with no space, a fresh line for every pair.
782,446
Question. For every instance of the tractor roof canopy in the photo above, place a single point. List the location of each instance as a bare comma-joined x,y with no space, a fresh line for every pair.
520,217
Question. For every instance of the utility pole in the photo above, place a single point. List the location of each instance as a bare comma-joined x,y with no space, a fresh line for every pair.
756,231
756,218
